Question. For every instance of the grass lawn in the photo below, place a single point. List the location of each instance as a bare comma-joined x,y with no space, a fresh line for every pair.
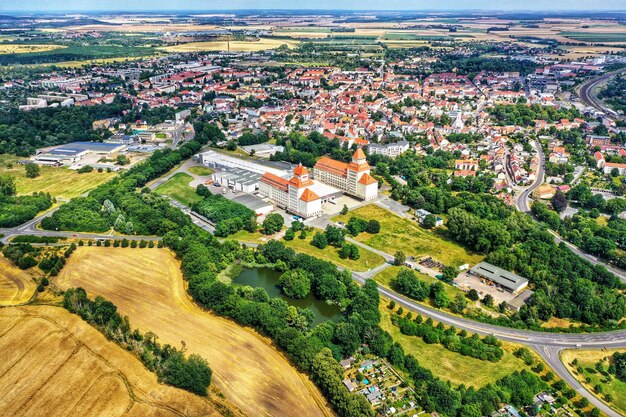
201,171
245,236
368,260
178,188
397,233
60,182
451,366
587,359
385,276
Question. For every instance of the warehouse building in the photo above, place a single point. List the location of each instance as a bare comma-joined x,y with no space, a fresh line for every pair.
74,152
238,179
258,205
505,279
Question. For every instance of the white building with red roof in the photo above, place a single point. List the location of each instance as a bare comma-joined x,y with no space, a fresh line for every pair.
295,194
353,178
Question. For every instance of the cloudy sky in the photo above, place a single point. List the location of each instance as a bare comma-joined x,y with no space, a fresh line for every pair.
145,5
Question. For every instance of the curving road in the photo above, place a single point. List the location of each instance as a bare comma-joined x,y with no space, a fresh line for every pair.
548,345
522,200
30,228
621,274
587,94
522,205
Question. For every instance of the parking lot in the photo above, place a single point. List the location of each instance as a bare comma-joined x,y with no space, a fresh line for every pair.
334,208
466,282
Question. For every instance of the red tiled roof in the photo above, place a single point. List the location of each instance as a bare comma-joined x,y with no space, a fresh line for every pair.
359,154
309,195
275,181
367,179
353,166
300,170
298,183
464,173
330,165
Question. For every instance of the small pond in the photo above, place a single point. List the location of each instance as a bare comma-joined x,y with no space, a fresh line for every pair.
267,278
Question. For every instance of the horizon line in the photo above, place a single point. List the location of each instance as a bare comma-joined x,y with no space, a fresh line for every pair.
221,11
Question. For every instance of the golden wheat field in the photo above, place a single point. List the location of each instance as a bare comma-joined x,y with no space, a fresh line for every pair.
55,364
238,46
7,48
147,285
16,286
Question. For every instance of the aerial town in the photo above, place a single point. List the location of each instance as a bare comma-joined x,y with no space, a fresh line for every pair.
333,213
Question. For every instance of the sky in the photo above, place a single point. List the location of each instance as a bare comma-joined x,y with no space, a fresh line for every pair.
148,5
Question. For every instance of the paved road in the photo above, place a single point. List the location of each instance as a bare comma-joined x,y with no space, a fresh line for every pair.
522,200
621,274
522,205
30,228
548,345
551,355
588,96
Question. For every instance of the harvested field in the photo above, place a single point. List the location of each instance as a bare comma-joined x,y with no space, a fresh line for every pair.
16,286
25,48
147,286
241,46
55,364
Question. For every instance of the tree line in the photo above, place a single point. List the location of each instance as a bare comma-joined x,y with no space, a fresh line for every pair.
21,132
228,216
306,149
486,349
15,210
143,213
191,373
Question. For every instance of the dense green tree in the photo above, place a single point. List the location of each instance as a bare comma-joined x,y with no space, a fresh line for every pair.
430,221
559,201
295,283
32,170
7,185
373,227
319,240
334,235
399,258
273,223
